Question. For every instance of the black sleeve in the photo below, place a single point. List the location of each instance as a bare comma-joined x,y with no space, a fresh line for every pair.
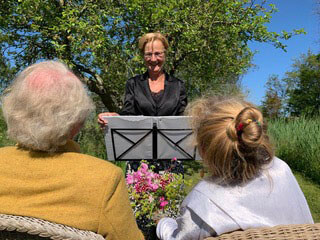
128,105
182,99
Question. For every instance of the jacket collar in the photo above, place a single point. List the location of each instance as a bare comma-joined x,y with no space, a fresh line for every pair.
167,88
145,76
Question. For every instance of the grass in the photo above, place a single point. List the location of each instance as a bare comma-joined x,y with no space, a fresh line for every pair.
312,194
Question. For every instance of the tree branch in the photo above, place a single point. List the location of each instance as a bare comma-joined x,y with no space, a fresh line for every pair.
95,84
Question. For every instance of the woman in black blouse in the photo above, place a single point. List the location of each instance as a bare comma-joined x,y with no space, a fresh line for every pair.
154,93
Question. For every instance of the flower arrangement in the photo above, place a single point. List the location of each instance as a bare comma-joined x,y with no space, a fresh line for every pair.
154,194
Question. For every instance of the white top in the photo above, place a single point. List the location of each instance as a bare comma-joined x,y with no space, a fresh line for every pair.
272,198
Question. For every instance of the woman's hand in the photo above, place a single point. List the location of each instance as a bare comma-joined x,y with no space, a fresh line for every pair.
103,122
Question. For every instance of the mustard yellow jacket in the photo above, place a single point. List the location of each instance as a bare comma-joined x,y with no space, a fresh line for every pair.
68,188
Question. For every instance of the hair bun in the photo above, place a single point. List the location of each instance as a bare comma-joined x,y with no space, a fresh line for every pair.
231,137
249,126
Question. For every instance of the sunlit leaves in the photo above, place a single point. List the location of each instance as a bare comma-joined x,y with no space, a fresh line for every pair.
98,39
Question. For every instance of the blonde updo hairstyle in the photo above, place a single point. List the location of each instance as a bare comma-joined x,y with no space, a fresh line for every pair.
151,37
44,105
231,135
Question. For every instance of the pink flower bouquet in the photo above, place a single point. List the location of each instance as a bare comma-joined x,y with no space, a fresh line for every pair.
152,193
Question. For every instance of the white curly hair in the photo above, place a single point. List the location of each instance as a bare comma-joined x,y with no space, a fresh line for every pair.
43,106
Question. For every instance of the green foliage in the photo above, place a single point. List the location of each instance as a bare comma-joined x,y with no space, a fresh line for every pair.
6,72
4,141
274,100
91,139
297,93
297,142
97,39
303,86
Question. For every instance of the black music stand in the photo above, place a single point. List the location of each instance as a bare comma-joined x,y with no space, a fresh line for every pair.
133,138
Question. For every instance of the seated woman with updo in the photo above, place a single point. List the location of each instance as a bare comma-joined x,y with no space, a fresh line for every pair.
248,186
45,175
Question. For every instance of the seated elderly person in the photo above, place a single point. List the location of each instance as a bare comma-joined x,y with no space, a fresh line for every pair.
44,175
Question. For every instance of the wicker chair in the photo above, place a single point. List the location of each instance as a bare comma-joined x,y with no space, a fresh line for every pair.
19,227
281,232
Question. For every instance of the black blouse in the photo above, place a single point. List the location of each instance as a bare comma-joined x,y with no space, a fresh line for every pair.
139,101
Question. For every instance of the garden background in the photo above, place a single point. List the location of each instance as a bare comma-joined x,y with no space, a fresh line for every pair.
209,50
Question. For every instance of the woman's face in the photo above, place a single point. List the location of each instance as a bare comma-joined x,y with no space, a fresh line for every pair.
154,56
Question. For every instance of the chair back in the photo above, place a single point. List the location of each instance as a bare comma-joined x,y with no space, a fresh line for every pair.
281,232
20,227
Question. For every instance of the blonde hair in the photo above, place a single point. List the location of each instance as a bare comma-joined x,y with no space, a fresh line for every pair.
43,105
231,135
150,37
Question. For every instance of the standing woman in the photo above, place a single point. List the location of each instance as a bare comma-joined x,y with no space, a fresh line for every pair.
154,93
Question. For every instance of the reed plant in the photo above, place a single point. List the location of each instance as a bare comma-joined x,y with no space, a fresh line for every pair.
297,141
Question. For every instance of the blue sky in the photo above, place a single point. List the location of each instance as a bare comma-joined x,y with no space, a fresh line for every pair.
292,14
